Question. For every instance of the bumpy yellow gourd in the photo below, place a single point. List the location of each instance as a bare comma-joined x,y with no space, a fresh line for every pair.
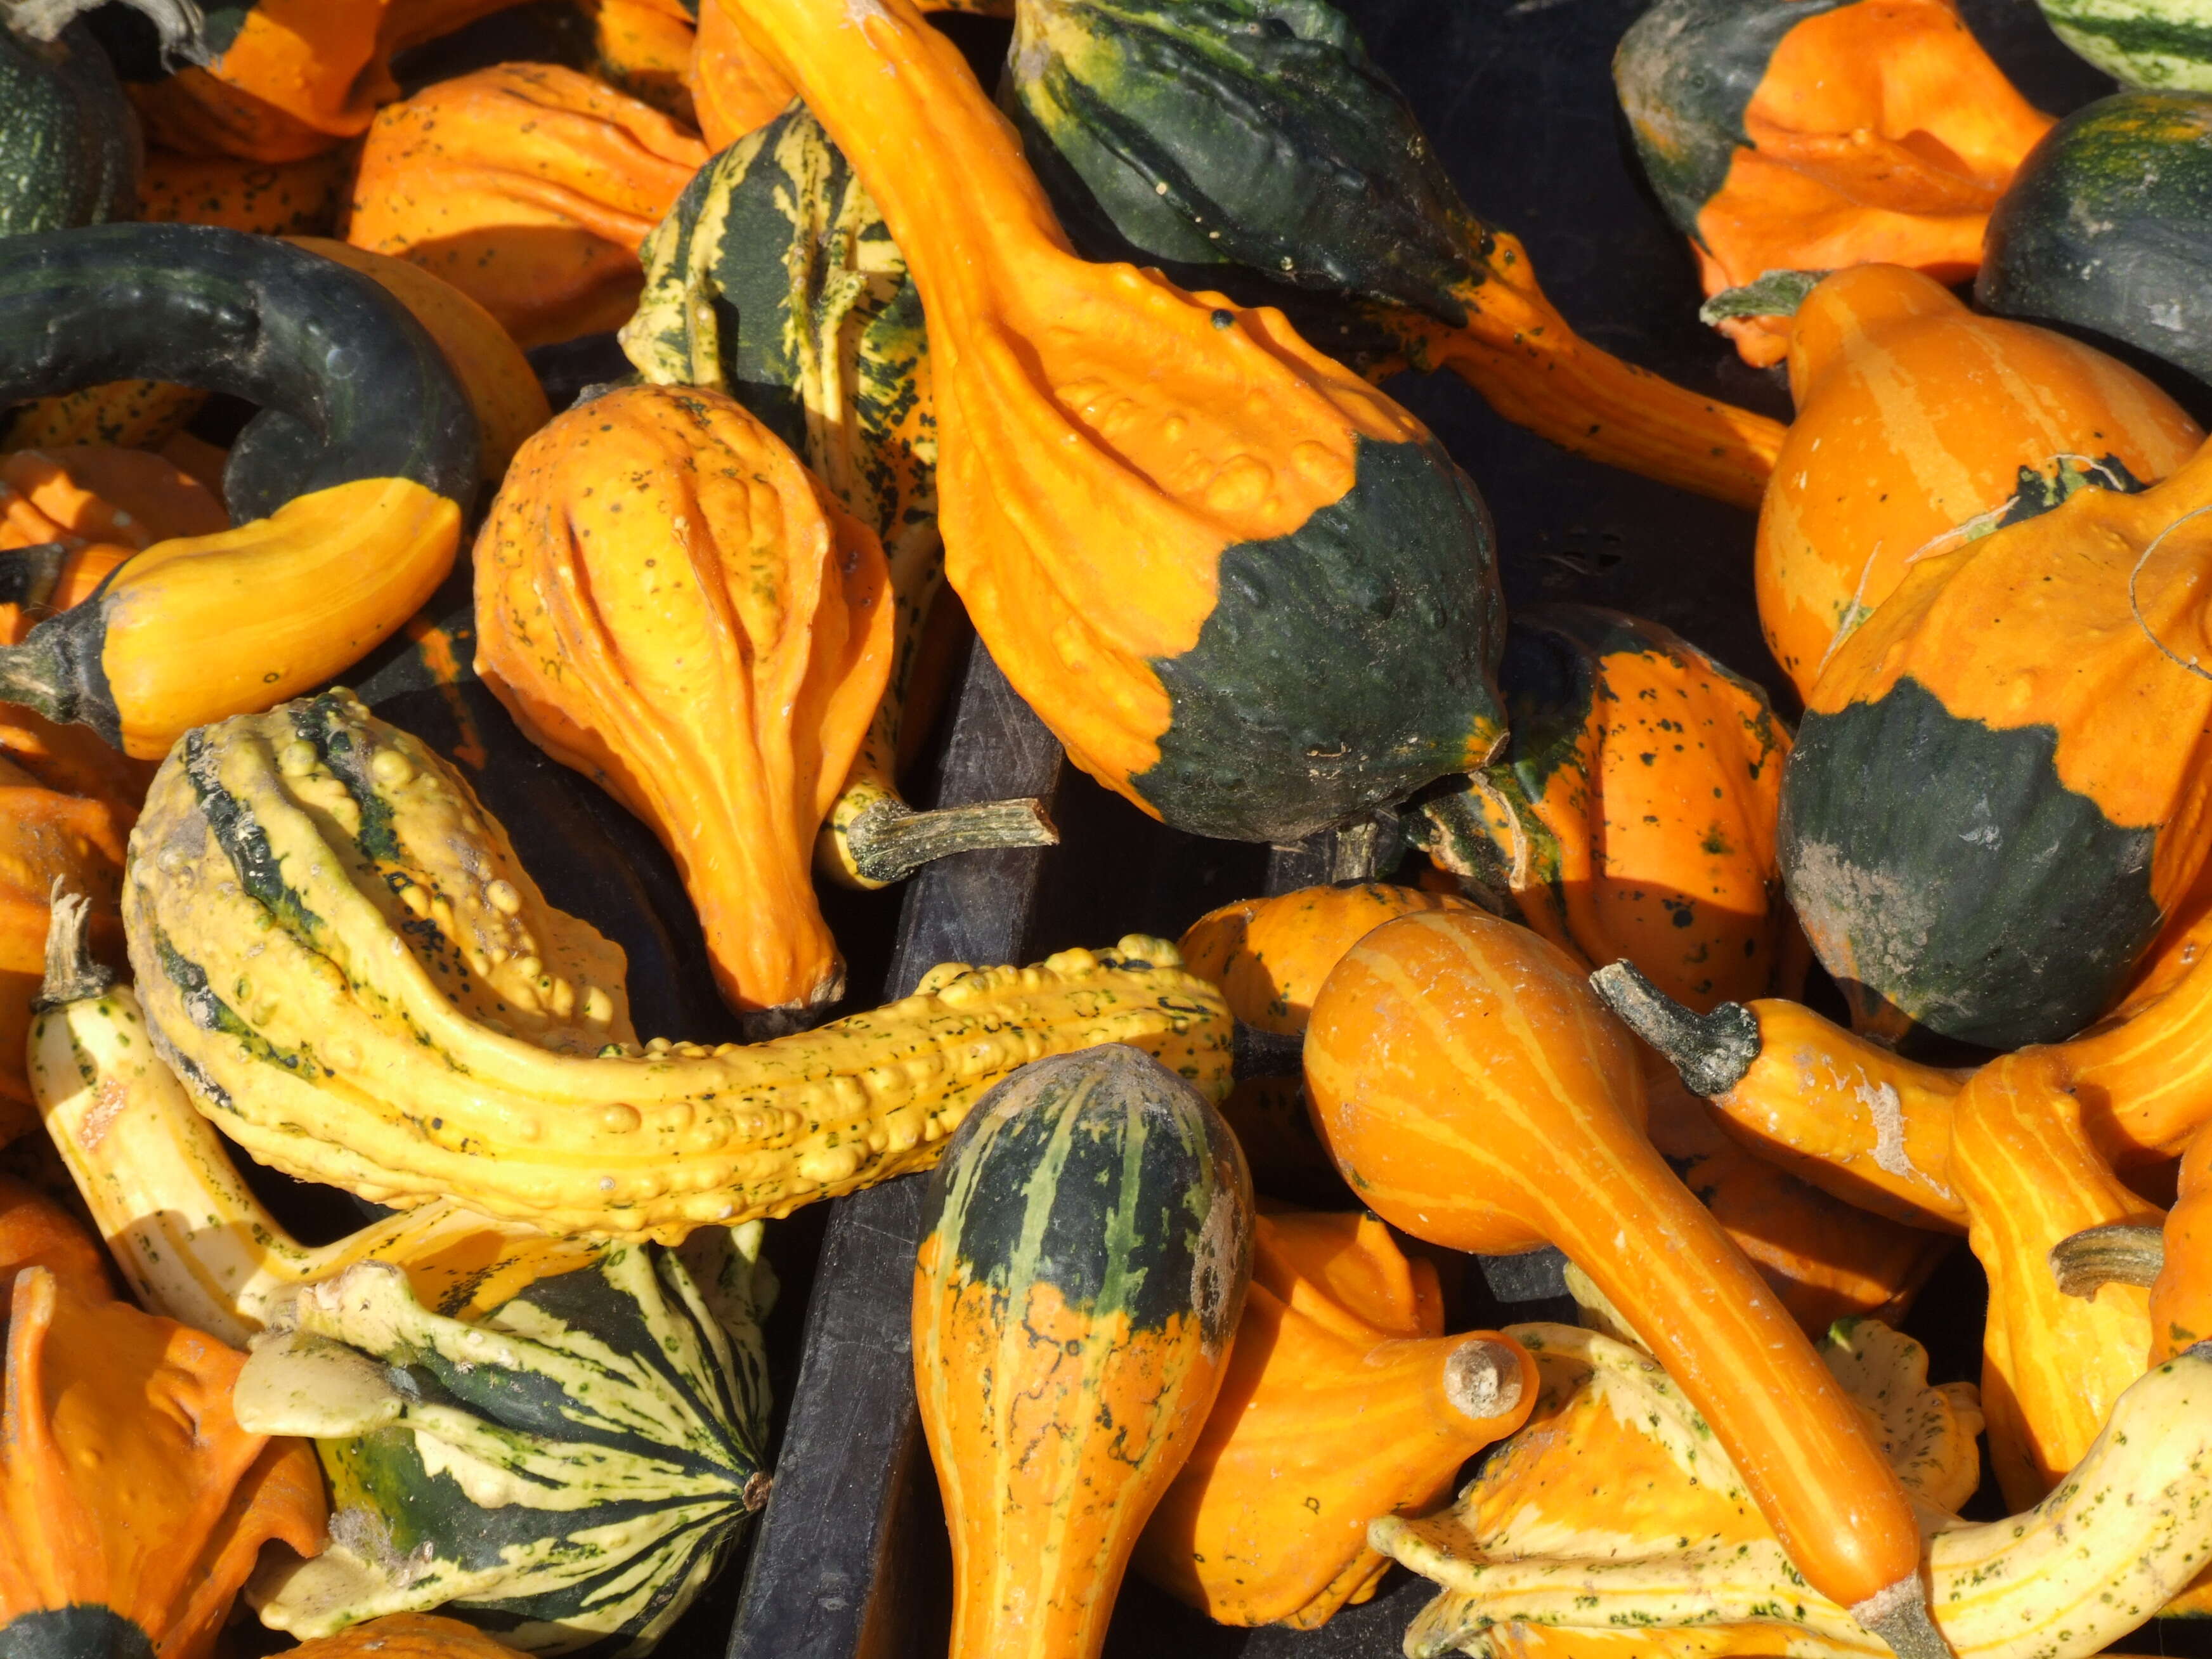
346,964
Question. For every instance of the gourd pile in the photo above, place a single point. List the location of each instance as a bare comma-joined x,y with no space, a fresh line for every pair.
831,355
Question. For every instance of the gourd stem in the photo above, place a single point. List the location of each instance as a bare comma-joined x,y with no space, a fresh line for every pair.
1713,1052
1482,1378
2119,1253
57,662
28,575
890,839
71,974
1900,1616
1531,367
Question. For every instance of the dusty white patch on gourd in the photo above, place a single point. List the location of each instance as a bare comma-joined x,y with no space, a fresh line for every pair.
1866,924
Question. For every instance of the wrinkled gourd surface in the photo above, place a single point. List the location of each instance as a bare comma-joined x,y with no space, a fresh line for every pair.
669,602
350,970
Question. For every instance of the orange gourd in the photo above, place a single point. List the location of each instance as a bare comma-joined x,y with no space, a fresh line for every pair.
404,1635
303,197
527,186
1920,425
1475,1092
736,89
1787,137
1343,1400
645,49
668,601
1632,811
132,1506
97,493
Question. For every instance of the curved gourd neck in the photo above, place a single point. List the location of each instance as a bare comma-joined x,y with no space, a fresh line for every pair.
943,165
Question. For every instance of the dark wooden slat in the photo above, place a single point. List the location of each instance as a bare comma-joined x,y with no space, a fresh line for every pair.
852,1452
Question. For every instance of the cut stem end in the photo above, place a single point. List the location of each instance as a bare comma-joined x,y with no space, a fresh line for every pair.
2122,1253
1712,1051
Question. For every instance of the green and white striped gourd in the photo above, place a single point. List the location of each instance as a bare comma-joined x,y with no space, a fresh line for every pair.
568,1472
2150,44
774,279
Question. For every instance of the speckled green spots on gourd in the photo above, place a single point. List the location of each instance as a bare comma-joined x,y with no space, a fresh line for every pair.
2147,44
569,1470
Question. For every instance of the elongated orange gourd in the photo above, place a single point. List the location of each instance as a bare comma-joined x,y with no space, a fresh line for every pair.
1087,1246
1244,589
1920,424
1475,1092
667,601
1344,1400
529,187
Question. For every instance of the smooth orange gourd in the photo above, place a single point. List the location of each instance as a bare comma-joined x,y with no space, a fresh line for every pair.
404,1635
668,601
99,493
1343,1400
1475,1092
529,187
1920,424
1866,130
129,1495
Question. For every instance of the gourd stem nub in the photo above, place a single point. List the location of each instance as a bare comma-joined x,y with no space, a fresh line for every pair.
1900,1616
71,974
1712,1051
2121,1253
891,841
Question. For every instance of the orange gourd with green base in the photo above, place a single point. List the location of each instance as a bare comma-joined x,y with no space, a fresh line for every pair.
1475,1092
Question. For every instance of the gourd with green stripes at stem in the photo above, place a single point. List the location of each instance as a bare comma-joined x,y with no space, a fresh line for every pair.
343,960
569,1469
775,280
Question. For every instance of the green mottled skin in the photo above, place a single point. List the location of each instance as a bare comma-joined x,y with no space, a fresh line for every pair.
68,144
2162,44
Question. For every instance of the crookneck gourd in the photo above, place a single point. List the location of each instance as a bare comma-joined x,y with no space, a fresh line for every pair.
1631,811
347,489
1344,1399
2002,786
529,187
133,1504
669,602
2018,1156
1252,145
1787,137
349,970
1085,1247
188,1235
1476,1093
1921,425
773,279
2101,223
1529,1546
569,1468
1244,589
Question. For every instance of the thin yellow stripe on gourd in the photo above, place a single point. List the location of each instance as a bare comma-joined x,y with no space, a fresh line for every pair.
1905,419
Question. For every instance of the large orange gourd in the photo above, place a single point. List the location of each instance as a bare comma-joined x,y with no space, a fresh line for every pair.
1475,1092
1921,425
667,600
527,186
1245,589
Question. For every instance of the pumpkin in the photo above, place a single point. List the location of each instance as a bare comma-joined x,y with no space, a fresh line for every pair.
1786,137
1086,1244
1690,1569
289,79
645,48
1982,834
1476,1093
188,1235
349,484
274,844
1244,589
2139,42
669,602
2102,220
132,1502
2017,1155
568,1470
1252,145
1338,1349
829,353
306,197
1921,425
1631,811
503,390
527,186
